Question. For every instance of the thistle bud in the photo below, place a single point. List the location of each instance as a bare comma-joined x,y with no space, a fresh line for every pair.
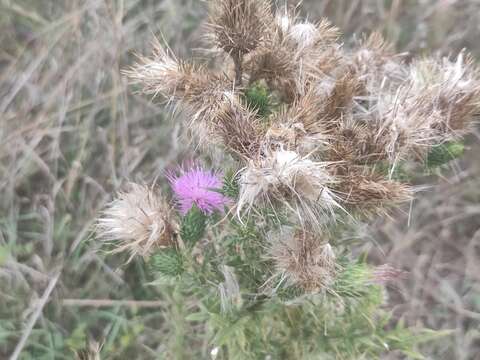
167,262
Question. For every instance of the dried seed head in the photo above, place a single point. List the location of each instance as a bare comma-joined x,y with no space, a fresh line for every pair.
302,259
193,86
138,221
436,102
275,65
294,54
293,136
450,89
239,128
376,65
356,144
299,126
369,193
238,26
285,177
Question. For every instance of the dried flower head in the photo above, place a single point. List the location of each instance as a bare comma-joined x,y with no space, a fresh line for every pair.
294,54
304,113
369,193
451,89
199,187
417,106
302,259
193,86
238,26
138,221
287,178
239,128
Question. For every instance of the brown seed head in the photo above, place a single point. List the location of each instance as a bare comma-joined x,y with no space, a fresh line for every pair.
302,259
238,26
193,86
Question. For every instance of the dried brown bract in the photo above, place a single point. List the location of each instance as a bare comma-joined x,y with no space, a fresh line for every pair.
299,127
238,27
367,193
195,87
450,88
239,128
302,259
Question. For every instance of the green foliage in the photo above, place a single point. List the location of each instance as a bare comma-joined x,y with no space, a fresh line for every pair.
316,327
193,226
167,262
346,319
258,98
352,279
444,153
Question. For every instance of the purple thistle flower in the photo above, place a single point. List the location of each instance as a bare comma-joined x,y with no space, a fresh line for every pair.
196,186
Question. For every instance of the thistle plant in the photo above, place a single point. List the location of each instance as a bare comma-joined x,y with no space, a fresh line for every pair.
317,137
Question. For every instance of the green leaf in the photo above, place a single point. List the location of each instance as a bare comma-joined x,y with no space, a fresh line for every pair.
199,316
258,98
444,153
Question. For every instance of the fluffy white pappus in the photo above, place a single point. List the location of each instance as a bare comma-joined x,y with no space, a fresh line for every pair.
137,221
405,126
158,74
294,136
303,34
445,74
324,86
301,259
286,177
284,22
435,103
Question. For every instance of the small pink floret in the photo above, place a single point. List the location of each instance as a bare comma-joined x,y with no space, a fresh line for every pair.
195,186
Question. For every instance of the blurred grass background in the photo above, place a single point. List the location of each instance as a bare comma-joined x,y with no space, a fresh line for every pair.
72,131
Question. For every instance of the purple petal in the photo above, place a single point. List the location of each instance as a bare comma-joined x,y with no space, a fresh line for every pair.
199,187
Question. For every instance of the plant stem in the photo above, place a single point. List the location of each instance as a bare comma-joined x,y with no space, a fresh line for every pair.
238,63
